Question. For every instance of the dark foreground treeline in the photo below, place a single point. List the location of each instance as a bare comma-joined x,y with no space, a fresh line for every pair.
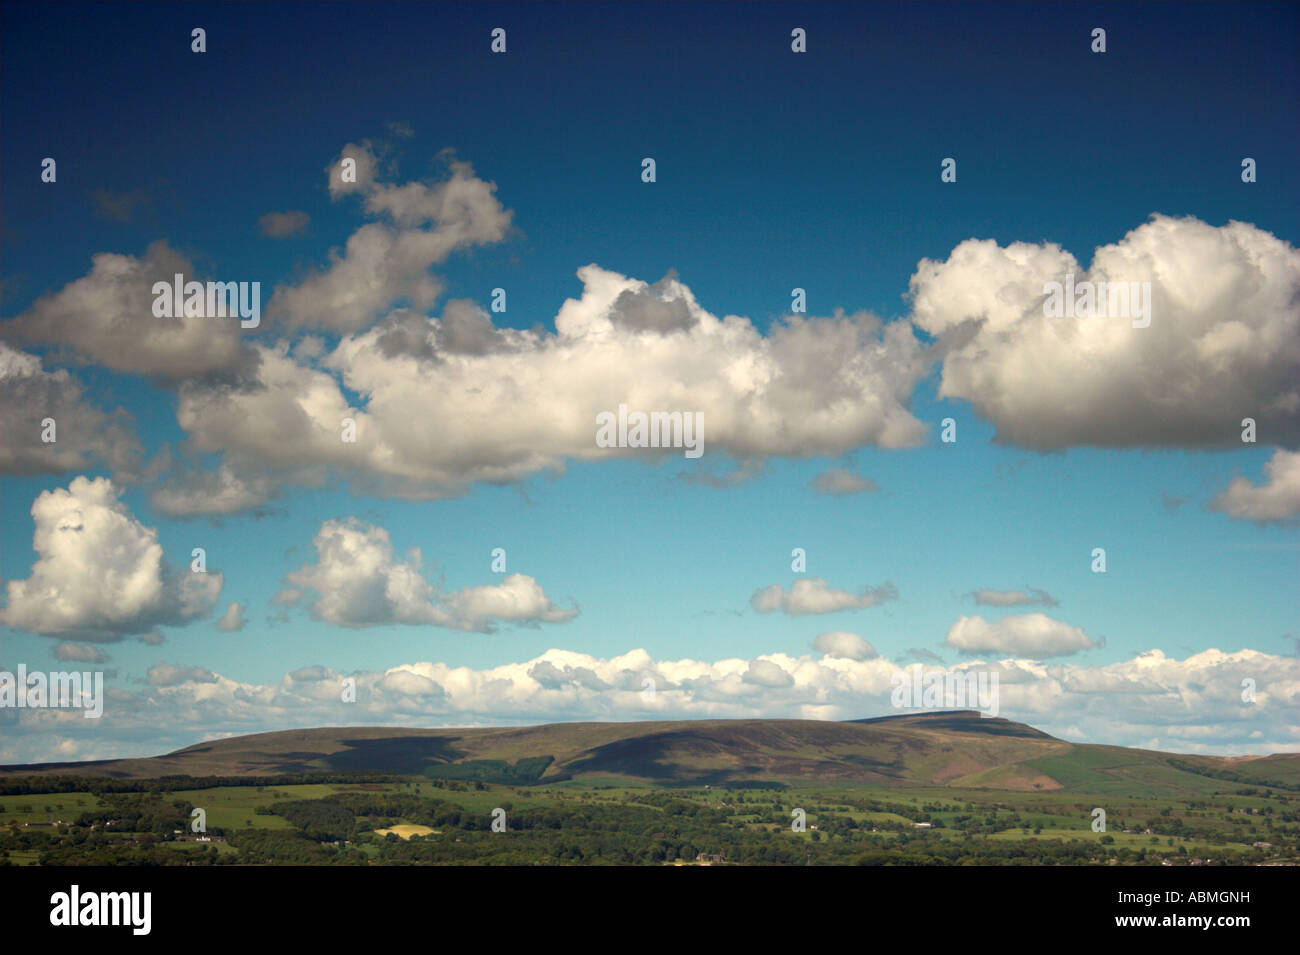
98,785
654,827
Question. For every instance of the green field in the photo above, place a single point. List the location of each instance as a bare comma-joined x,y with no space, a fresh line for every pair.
449,821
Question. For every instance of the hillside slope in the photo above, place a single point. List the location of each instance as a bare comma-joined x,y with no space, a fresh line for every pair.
955,748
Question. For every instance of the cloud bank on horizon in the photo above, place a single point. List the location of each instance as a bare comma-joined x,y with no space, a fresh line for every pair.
1190,705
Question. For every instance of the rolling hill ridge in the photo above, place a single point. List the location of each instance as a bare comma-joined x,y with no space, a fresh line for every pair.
943,749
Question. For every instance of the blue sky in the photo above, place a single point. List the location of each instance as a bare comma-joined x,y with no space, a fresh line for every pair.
775,170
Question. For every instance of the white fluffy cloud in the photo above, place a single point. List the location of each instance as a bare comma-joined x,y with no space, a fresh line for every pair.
359,581
841,643
232,620
100,574
106,318
518,598
382,264
448,401
1277,499
1191,705
366,168
442,402
83,433
768,674
813,595
1033,635
1223,343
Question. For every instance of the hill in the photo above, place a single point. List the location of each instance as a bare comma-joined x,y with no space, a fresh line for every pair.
949,749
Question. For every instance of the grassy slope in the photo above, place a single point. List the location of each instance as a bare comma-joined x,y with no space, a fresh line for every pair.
939,749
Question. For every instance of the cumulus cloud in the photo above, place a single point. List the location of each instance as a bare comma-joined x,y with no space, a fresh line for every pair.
83,434
519,599
100,574
1033,635
281,225
359,581
841,643
311,674
232,620
813,595
381,263
365,166
198,493
662,307
840,481
767,673
1014,598
1190,705
553,677
1277,499
512,403
401,683
106,318
464,329
1223,341
69,652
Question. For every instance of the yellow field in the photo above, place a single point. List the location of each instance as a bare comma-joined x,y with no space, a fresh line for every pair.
405,831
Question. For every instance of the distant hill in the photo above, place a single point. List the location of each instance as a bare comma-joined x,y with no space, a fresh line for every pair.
951,748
